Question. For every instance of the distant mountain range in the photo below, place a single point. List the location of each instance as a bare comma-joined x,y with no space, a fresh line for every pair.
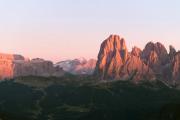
78,66
16,65
114,62
120,85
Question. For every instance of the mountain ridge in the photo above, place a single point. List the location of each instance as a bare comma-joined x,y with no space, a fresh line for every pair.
78,66
115,62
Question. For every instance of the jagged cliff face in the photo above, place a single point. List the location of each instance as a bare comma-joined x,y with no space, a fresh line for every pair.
155,56
153,62
113,54
175,68
114,61
7,64
172,52
136,52
16,65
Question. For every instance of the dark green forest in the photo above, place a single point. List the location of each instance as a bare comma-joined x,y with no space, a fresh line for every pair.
86,98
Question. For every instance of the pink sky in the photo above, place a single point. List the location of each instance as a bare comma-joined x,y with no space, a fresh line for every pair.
54,46
66,29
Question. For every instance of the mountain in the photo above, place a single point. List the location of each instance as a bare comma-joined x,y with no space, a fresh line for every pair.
16,65
175,68
115,62
7,64
12,65
78,66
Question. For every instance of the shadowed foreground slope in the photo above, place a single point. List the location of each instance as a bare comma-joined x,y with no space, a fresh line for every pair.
78,98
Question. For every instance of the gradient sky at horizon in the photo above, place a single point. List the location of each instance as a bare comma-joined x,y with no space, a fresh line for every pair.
67,29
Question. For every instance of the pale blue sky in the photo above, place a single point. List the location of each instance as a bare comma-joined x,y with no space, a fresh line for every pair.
61,29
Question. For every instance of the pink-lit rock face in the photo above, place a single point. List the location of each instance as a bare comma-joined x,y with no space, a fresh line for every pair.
7,64
16,65
153,62
136,52
113,54
114,61
175,64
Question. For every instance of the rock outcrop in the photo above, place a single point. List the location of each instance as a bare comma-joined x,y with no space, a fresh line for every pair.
175,68
153,62
136,52
114,61
157,48
16,65
172,51
113,54
155,56
7,64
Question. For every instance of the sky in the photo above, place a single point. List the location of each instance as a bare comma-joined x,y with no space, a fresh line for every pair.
66,29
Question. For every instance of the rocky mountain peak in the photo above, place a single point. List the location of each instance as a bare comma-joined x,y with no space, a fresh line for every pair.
114,43
172,51
175,68
114,61
156,47
136,51
113,53
156,50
